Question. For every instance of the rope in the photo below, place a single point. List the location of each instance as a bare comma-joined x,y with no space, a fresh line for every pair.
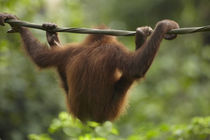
105,31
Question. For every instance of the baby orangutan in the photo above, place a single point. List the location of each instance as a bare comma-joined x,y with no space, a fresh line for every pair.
96,73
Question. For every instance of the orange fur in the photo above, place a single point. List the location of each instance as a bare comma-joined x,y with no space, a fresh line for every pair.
97,73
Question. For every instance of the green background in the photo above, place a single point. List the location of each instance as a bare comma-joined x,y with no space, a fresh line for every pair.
175,89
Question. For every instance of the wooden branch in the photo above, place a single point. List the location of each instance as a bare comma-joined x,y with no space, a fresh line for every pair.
105,31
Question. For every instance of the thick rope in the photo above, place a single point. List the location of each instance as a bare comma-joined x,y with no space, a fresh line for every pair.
105,31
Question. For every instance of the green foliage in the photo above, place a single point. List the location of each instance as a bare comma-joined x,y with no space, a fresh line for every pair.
176,87
197,129
39,137
72,128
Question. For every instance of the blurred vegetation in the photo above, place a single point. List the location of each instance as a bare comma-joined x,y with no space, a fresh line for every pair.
174,92
67,127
